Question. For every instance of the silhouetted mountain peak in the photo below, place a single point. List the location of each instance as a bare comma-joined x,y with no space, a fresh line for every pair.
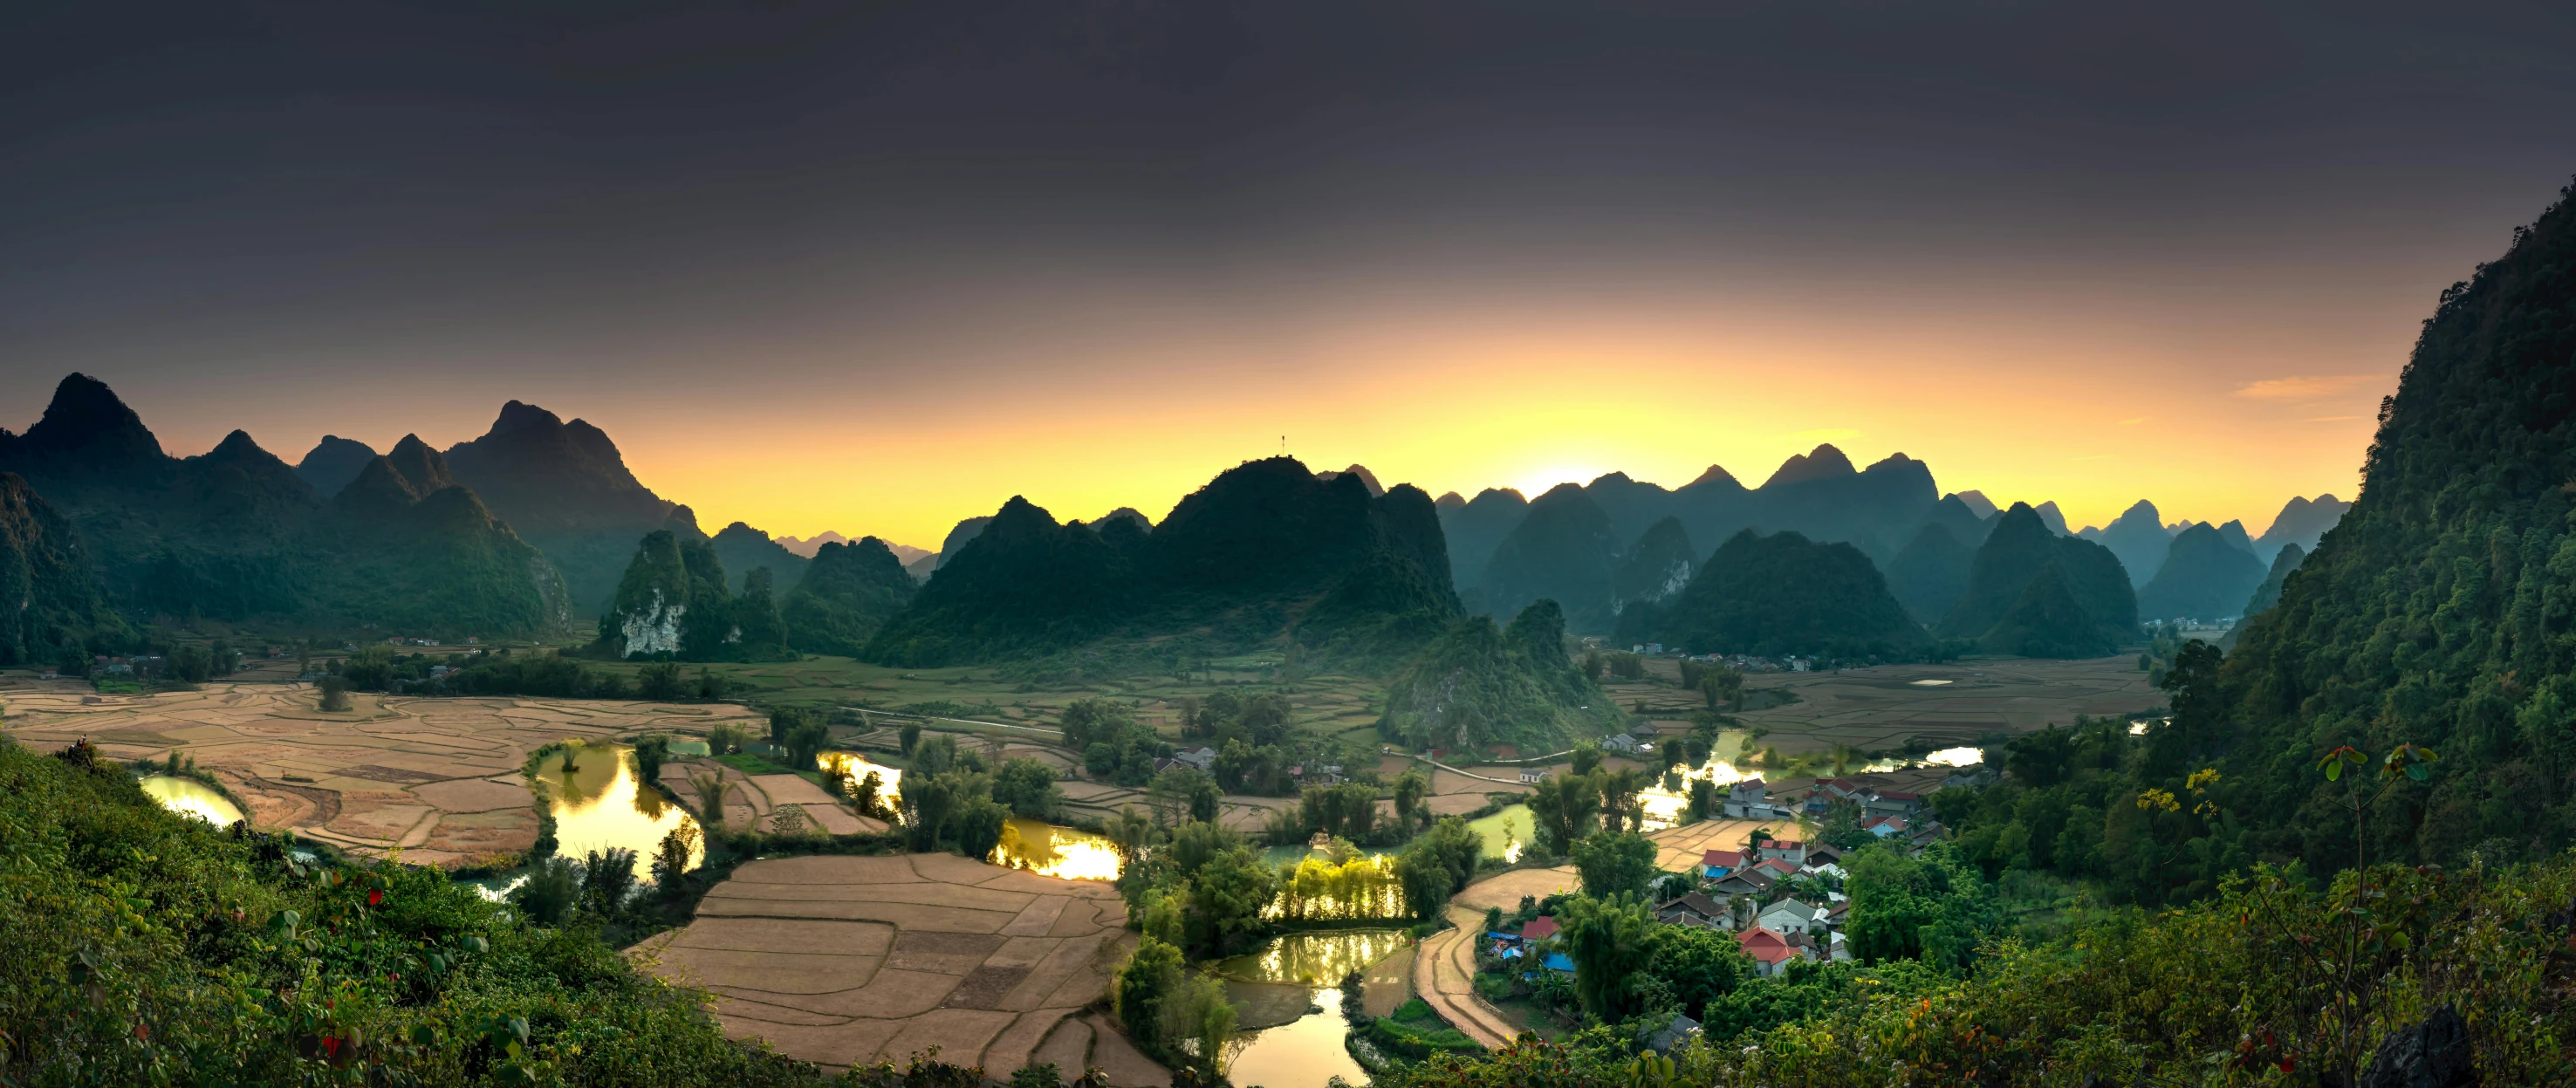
1366,478
1715,476
1448,500
87,425
520,416
237,447
332,463
1824,463
420,465
1977,502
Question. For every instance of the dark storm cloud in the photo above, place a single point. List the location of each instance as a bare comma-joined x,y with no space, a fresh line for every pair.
180,184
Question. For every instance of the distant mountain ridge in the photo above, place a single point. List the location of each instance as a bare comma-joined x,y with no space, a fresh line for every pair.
1264,551
235,534
565,488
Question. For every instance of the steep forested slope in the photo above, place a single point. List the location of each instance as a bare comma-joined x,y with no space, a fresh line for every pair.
2032,591
235,534
1930,574
1478,685
2442,609
1563,550
848,592
1655,568
565,488
57,607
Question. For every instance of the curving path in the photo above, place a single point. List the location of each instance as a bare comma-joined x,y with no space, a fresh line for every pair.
1444,971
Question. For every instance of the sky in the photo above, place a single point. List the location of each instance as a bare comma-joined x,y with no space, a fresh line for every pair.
875,267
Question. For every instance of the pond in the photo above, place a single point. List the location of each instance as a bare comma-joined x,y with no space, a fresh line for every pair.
599,804
1504,832
1307,1050
1049,850
189,797
889,779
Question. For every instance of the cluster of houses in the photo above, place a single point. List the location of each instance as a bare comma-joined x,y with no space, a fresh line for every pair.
1883,812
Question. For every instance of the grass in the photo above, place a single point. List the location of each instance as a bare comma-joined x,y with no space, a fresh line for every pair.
748,763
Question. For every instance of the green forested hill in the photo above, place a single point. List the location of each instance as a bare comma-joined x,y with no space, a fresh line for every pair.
2085,610
59,608
1782,594
2442,609
1654,569
1564,550
2205,576
1478,685
849,590
235,534
1931,572
1264,551
565,488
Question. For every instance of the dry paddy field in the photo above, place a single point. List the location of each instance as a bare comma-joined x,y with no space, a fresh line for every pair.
1886,707
437,779
845,960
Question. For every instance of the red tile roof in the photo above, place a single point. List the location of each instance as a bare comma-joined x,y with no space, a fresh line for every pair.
1539,929
1765,945
1723,859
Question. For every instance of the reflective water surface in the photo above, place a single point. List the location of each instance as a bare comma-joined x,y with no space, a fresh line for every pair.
189,797
600,804
1049,850
1308,1051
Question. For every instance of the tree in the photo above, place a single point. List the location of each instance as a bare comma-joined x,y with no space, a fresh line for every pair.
1227,896
1028,787
660,682
784,720
1619,790
1587,758
551,891
928,802
335,694
1561,812
1675,755
1207,801
1615,863
804,741
1410,788
909,737
1699,965
710,788
979,827
1613,943
1137,993
671,859
867,794
651,751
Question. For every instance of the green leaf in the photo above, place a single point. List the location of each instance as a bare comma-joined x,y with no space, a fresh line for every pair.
423,1035
2334,770
2419,772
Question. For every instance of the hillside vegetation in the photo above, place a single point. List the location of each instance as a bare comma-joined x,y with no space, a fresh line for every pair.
1265,554
1781,594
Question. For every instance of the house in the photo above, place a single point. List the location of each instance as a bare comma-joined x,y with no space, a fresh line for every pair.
1769,949
1506,946
1693,909
1775,867
1557,962
1894,803
1715,864
1790,915
1531,776
1619,742
1839,950
1201,757
1750,881
1748,800
1821,854
1789,850
1539,929
1884,826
